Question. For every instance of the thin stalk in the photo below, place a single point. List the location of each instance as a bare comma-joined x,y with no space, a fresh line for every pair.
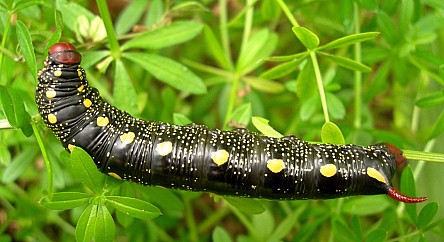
320,85
245,222
357,74
224,31
191,223
45,156
5,37
111,34
236,80
423,155
212,220
288,13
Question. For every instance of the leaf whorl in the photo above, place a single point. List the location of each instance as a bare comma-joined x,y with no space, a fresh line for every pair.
193,157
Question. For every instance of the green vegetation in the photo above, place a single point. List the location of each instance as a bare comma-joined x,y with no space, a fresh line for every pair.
362,72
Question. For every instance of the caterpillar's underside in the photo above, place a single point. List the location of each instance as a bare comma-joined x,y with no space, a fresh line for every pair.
193,157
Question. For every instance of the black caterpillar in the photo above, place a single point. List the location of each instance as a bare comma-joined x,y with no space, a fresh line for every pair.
193,157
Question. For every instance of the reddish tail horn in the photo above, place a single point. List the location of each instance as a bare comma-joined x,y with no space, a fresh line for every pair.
398,196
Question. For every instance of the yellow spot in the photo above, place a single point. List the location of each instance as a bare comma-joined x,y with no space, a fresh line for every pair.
80,88
164,148
50,93
104,121
328,170
373,173
58,73
220,157
52,118
79,73
87,103
71,147
127,138
115,175
275,165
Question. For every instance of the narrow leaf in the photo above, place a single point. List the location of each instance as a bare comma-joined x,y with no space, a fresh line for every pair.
134,207
431,100
307,38
130,16
25,43
86,224
19,164
13,107
125,96
345,62
180,119
264,85
306,83
262,125
241,115
348,40
170,35
246,205
408,188
438,128
215,48
428,212
220,235
169,71
104,227
65,200
86,171
331,134
283,69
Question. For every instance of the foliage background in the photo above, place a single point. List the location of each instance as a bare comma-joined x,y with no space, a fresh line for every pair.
228,45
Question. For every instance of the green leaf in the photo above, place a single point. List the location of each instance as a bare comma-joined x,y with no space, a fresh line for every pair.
220,235
307,38
262,125
431,100
367,205
91,58
438,128
287,57
169,71
306,83
335,106
309,106
134,207
155,13
176,33
387,27
246,205
13,108
408,188
125,96
283,69
86,224
377,235
104,227
241,115
180,119
331,134
263,224
428,212
72,11
287,224
259,46
65,200
348,40
264,85
86,171
26,47
130,16
215,48
345,62
19,164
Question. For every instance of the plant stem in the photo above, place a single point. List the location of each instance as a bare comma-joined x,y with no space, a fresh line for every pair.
224,32
423,155
288,13
111,34
357,74
5,37
45,156
191,223
213,219
320,85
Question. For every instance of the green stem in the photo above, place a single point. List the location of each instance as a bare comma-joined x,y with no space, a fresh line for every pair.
111,34
224,32
318,76
191,223
288,13
247,26
45,156
423,155
5,37
357,74
213,219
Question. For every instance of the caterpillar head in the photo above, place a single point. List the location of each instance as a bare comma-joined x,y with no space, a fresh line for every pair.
64,53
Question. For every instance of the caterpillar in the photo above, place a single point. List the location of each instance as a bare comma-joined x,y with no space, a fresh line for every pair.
194,157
